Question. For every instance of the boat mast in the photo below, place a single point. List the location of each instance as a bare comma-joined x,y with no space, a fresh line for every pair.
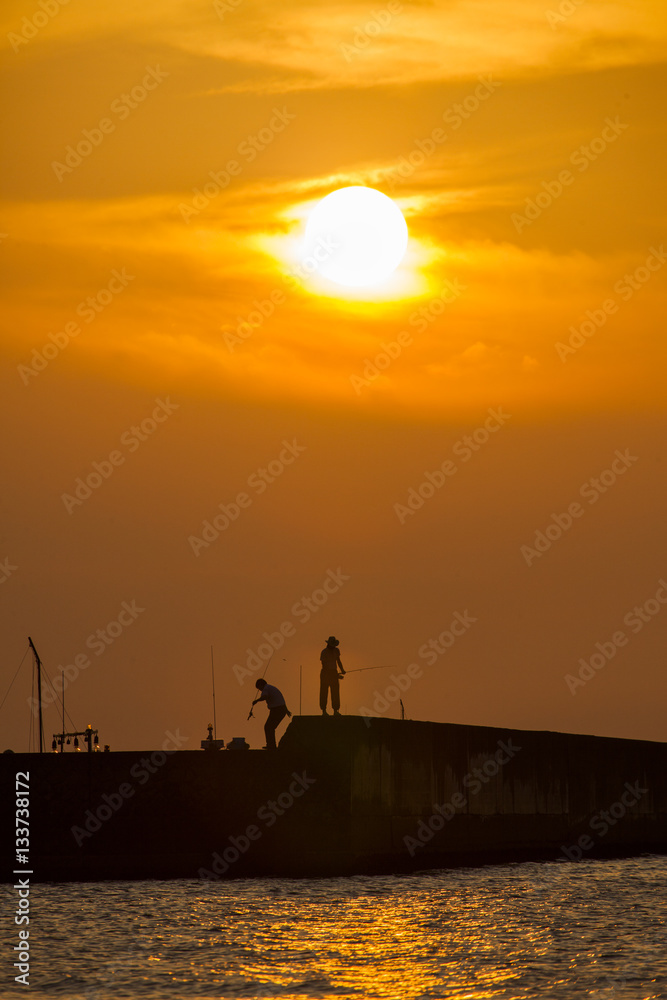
215,724
39,694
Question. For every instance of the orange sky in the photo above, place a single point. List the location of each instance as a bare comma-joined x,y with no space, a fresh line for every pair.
525,146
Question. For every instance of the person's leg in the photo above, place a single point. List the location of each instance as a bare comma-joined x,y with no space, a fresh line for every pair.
335,694
275,717
270,729
280,714
324,690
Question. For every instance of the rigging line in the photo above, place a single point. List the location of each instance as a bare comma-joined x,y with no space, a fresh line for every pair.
15,676
58,696
32,711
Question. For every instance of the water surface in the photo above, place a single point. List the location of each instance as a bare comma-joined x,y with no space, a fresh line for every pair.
559,930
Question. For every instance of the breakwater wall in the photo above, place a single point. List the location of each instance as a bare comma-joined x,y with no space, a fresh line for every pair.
339,796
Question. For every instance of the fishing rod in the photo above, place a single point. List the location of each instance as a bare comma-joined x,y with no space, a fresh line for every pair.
359,670
250,713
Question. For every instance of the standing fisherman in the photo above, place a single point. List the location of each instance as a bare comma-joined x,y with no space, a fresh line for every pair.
277,710
332,669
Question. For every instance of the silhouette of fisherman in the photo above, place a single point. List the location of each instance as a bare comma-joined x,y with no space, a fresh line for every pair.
332,669
277,710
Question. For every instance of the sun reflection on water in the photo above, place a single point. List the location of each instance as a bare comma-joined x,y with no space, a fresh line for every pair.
514,932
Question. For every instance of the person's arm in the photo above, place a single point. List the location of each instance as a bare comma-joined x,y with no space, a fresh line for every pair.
340,664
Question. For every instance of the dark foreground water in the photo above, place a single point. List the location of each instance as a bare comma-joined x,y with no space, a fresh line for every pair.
555,930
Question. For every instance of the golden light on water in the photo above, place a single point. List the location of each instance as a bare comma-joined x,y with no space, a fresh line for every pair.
386,944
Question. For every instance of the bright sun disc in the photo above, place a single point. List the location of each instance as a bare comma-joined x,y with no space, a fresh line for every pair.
357,235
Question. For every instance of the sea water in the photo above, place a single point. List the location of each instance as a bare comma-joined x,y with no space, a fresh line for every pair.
594,929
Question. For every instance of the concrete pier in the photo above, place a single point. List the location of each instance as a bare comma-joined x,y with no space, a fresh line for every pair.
340,796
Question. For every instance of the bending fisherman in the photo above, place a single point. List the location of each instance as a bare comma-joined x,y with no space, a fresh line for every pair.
277,710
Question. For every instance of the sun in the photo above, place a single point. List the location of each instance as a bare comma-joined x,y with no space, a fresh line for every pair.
357,235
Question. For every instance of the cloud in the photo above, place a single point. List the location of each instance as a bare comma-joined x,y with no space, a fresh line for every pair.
307,46
195,283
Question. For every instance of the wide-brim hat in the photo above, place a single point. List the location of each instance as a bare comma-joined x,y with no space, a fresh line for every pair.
332,641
